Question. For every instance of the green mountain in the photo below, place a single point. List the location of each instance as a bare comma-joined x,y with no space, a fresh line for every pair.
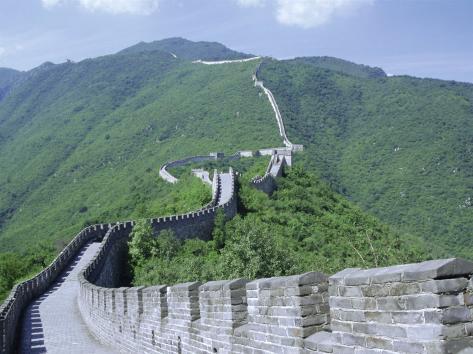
185,49
400,147
341,66
8,77
83,142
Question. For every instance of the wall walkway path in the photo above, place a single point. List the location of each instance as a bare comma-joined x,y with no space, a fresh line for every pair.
52,323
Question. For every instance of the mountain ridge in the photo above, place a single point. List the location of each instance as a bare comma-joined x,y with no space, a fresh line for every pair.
189,50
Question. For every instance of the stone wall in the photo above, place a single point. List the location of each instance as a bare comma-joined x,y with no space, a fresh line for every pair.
415,308
287,152
265,316
199,223
164,173
22,294
267,183
274,105
106,269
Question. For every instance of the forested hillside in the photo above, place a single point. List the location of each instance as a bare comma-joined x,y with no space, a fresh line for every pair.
400,147
303,226
82,142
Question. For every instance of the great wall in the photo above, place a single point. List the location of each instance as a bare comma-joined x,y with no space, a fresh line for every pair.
78,304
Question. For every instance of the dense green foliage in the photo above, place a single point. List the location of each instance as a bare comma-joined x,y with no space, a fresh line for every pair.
186,49
400,147
303,226
341,66
16,267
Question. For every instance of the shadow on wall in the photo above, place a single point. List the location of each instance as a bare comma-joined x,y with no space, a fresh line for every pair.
32,335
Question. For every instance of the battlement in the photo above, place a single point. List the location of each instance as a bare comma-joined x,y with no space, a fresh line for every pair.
227,316
199,223
286,151
412,308
415,308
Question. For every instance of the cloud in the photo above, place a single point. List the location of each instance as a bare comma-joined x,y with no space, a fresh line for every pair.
313,13
251,3
133,7
2,51
50,3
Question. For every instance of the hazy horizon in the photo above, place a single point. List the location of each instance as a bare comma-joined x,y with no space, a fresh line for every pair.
430,39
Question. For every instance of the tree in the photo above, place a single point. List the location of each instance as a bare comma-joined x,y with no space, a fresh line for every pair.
253,252
11,268
219,234
140,245
165,246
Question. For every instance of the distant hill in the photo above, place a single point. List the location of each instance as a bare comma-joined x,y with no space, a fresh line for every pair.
189,50
342,66
400,147
8,77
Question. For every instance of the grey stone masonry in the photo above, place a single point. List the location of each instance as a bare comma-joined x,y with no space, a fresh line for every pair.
200,223
279,159
230,316
52,323
424,308
282,311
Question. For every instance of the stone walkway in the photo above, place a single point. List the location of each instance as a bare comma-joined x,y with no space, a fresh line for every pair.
227,187
53,324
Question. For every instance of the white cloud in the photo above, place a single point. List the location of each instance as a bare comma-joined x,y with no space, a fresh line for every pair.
313,13
133,7
251,3
50,3
2,51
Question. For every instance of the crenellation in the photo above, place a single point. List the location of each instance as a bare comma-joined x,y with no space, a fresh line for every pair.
412,308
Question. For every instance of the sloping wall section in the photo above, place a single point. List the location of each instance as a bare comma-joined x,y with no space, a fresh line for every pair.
112,254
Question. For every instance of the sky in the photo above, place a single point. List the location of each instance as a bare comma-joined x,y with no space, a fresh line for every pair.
424,38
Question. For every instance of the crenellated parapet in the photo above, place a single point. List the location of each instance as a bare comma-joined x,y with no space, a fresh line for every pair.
227,316
199,223
424,308
415,308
